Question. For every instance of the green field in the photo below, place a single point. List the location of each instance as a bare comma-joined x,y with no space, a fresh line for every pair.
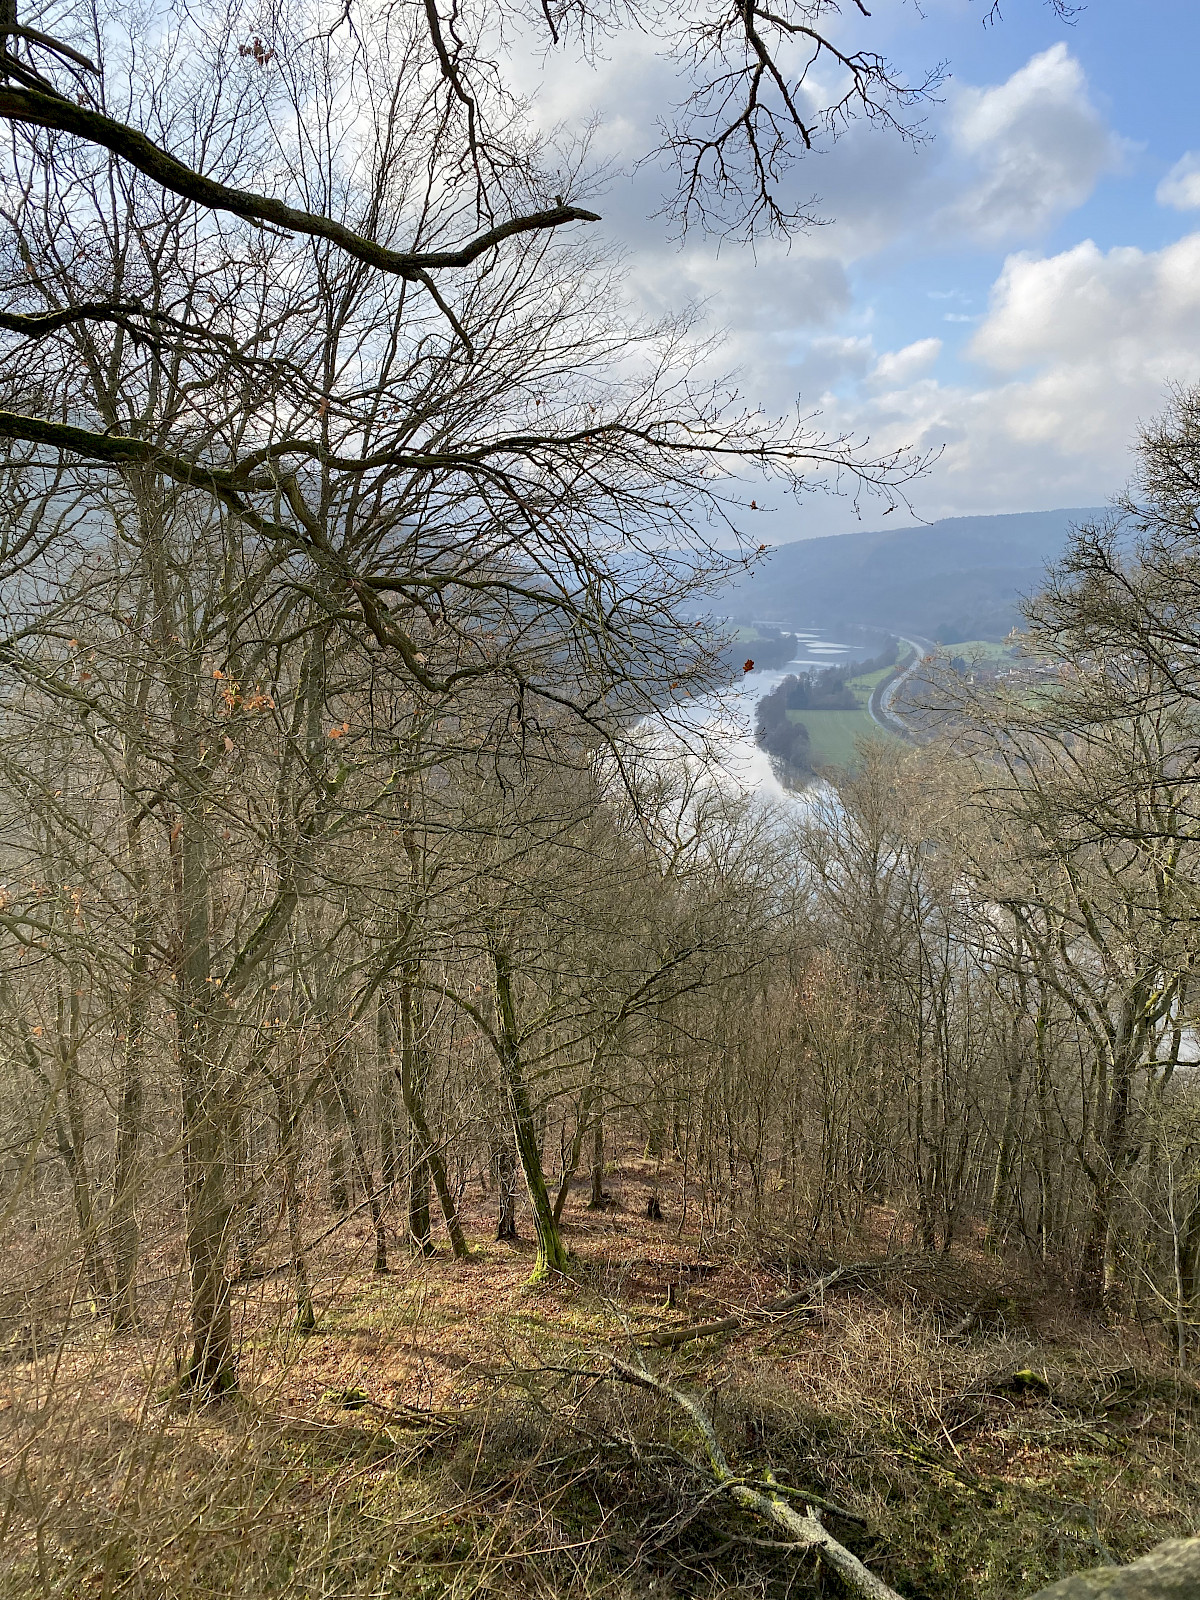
977,650
864,685
832,734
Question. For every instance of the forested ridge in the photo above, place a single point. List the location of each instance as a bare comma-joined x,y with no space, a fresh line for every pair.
955,579
452,1141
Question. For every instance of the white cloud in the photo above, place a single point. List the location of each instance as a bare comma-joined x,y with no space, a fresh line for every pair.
1038,147
898,367
1078,348
1133,314
1009,160
1181,186
1018,156
1074,348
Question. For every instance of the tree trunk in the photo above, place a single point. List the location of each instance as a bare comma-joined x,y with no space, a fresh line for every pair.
212,1369
412,1074
597,1200
506,1184
1098,1283
1187,1277
391,1145
420,1225
336,1068
571,1165
72,1144
131,1106
1004,1153
123,1228
289,1139
335,1140
551,1252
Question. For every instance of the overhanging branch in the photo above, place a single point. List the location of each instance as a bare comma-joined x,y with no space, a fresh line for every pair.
41,110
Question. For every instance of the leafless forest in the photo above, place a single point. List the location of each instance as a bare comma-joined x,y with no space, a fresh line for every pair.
451,1141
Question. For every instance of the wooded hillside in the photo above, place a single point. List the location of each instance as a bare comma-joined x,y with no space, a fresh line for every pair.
451,1141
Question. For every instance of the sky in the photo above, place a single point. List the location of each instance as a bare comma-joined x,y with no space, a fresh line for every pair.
1018,292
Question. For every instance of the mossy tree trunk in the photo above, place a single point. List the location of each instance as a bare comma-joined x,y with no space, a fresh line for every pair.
551,1252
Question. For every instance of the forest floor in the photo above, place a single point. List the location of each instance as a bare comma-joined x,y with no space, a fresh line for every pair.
447,1431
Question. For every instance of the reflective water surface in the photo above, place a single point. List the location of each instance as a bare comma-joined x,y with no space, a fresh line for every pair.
729,726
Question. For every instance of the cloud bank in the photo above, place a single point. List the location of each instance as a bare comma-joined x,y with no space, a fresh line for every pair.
1031,379
1076,349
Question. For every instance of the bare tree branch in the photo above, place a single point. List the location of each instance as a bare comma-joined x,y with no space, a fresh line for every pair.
43,110
805,1528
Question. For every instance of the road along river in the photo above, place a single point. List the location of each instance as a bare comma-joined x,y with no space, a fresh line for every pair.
880,704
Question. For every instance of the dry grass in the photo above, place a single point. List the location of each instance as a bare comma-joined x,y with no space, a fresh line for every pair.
478,1466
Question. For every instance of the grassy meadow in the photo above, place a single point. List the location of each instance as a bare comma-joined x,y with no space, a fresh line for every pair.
833,735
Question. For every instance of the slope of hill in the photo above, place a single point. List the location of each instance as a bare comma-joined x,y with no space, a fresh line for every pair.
961,578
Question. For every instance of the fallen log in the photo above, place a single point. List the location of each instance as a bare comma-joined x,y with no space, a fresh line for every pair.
809,1298
805,1529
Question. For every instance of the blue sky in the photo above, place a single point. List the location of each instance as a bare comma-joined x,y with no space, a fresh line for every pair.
1019,291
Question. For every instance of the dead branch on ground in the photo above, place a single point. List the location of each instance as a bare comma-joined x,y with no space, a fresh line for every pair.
808,1298
805,1529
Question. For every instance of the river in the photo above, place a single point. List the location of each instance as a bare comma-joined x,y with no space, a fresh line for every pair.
731,726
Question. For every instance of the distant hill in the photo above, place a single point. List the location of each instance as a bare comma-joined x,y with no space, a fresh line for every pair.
961,578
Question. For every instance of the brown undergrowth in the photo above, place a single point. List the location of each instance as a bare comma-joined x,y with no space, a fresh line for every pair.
447,1432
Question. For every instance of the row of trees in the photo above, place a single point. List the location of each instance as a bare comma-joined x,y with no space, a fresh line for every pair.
954,992
349,528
